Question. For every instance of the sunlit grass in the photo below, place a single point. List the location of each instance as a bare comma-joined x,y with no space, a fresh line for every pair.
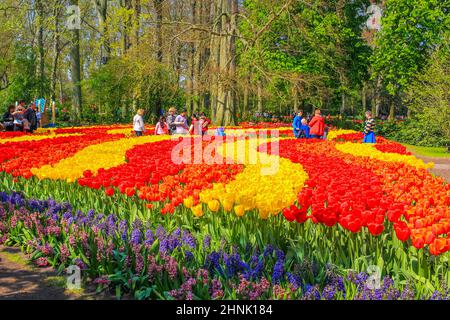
429,151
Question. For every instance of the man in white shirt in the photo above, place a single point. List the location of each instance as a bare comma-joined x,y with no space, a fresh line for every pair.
138,123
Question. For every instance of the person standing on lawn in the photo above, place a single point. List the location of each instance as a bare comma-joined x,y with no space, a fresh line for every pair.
369,129
138,123
181,123
170,119
297,123
317,125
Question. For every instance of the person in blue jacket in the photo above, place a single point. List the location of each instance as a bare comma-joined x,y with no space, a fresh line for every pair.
304,130
369,129
297,123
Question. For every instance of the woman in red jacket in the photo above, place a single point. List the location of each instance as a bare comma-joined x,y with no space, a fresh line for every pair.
317,126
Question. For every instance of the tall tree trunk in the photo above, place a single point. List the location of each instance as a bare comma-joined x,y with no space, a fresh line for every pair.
364,97
75,70
377,96
56,48
101,7
392,108
260,100
127,25
245,100
158,4
137,18
231,117
215,59
159,17
342,110
295,91
40,43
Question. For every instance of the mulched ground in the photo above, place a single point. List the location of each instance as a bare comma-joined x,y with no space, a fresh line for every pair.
23,281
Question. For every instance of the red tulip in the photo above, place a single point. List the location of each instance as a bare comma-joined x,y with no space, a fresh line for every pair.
375,229
109,192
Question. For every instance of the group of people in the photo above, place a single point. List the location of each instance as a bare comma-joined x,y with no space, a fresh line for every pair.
21,118
314,128
174,123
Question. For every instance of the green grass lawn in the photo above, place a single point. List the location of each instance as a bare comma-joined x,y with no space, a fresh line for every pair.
428,151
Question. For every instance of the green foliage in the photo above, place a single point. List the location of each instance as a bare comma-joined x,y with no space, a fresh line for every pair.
316,50
429,94
420,132
411,29
24,83
115,90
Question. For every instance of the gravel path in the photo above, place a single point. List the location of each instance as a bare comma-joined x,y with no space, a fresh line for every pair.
441,166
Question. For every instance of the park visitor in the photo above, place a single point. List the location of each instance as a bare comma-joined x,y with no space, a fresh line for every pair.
170,119
204,121
317,125
8,118
161,127
195,127
181,123
297,123
138,123
369,129
20,124
31,117
304,130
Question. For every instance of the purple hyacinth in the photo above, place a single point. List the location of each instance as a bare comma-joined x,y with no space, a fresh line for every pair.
294,280
135,237
149,238
188,239
206,242
278,271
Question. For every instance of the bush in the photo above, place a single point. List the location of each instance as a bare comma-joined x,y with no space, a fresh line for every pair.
419,132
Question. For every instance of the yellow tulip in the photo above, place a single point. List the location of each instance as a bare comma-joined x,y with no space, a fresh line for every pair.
239,210
263,214
213,205
227,205
369,151
198,211
188,202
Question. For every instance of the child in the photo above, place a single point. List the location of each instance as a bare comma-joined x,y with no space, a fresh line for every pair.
138,123
304,130
369,128
204,121
161,127
297,123
195,127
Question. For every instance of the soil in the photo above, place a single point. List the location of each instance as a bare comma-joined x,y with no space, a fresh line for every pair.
19,280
